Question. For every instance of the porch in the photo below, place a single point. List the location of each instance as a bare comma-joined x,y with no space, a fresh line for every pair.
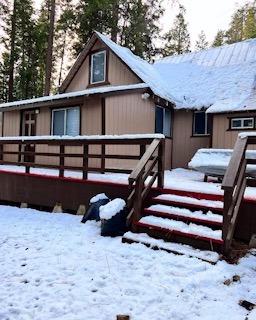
149,191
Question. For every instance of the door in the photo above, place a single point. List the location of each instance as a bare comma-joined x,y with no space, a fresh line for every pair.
29,129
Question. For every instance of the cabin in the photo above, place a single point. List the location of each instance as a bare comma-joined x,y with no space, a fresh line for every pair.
117,113
197,100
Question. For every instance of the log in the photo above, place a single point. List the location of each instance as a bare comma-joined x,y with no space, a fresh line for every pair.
122,317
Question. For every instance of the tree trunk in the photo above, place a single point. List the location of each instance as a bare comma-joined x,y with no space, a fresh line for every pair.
12,53
48,67
114,29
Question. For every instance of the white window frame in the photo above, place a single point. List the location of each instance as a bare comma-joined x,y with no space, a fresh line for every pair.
206,124
91,71
65,118
242,123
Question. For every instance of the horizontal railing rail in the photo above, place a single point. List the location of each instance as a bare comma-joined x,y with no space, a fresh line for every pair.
24,151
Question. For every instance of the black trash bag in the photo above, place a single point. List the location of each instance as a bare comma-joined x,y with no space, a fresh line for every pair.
93,212
115,226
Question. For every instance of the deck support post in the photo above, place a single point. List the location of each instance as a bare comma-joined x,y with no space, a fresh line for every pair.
81,210
23,205
57,208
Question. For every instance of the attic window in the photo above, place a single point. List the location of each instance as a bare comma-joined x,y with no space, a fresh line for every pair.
98,67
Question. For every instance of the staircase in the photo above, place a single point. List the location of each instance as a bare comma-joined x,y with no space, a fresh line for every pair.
187,218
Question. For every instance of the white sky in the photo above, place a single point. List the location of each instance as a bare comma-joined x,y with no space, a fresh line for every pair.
207,15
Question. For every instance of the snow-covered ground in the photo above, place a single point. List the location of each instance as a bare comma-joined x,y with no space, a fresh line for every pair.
54,267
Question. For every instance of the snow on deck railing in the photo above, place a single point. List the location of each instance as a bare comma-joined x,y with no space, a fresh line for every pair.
91,137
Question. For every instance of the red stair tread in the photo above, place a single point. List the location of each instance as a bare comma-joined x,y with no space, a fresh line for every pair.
177,232
182,217
191,205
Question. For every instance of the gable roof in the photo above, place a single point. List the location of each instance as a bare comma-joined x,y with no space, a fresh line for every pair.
221,79
144,70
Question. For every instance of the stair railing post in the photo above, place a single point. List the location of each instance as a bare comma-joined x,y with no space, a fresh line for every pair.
161,163
137,204
228,197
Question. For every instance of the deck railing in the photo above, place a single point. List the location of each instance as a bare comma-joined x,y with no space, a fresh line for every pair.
149,169
234,185
27,149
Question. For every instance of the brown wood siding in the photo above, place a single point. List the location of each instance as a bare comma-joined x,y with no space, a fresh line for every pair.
223,137
128,114
119,73
11,128
184,145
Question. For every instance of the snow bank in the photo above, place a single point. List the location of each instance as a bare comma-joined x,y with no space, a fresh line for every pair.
112,208
100,196
44,256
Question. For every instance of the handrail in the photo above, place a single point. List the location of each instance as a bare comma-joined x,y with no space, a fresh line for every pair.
137,179
234,185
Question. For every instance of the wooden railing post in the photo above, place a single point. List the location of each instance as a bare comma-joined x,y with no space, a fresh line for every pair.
103,160
226,219
85,161
62,160
137,203
161,163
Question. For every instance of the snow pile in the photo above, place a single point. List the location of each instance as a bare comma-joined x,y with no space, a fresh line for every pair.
54,267
110,209
100,196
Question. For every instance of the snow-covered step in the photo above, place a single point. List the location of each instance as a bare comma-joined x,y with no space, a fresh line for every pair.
189,201
177,248
188,230
171,212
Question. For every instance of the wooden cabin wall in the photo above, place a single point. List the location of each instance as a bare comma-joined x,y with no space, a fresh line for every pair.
118,72
223,137
184,144
128,114
11,128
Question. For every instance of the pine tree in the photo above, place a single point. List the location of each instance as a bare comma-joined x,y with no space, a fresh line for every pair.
201,43
178,38
250,23
235,33
220,39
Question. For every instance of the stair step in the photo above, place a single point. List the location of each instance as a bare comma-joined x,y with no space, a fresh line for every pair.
188,202
176,248
178,227
171,212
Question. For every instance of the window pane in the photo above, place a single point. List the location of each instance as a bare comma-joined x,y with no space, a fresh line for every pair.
58,122
73,122
98,67
167,123
199,123
236,123
159,120
248,123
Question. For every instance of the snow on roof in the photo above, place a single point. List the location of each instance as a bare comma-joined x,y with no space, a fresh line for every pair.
142,68
87,92
221,78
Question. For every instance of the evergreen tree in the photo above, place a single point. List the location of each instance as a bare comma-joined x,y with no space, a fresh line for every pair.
201,42
235,33
250,23
178,38
219,39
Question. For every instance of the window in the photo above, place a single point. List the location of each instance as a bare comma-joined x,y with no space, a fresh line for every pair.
98,67
242,123
201,124
163,121
66,121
